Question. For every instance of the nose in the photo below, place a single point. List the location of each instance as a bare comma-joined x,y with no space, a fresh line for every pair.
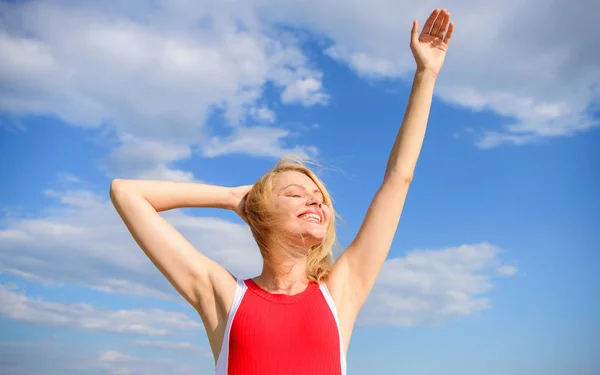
313,200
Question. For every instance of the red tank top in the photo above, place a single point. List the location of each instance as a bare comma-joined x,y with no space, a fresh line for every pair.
272,334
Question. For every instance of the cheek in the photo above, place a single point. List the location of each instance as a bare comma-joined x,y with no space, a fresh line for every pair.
327,213
285,210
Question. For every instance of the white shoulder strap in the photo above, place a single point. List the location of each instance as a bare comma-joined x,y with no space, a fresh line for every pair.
333,309
223,360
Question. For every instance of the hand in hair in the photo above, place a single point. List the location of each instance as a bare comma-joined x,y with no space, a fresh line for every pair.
239,203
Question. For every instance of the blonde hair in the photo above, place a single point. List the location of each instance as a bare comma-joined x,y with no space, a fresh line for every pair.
264,226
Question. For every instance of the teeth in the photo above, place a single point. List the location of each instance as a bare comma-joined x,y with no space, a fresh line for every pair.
312,217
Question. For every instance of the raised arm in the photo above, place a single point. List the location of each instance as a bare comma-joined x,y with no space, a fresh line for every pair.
200,280
356,270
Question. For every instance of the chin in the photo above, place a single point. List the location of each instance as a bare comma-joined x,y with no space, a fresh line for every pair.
312,239
308,240
306,236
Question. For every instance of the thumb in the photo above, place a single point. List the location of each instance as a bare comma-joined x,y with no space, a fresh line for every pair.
415,32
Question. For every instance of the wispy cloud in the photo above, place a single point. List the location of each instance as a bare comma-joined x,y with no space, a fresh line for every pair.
549,93
432,286
257,141
175,345
56,358
153,322
151,80
116,363
423,287
140,158
81,240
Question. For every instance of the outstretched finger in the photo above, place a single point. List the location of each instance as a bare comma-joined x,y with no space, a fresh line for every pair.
435,29
429,22
443,26
449,33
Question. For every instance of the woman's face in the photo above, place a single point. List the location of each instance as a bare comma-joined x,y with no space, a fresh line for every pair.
299,209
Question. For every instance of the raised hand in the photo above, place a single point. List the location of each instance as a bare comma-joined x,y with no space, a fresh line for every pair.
429,48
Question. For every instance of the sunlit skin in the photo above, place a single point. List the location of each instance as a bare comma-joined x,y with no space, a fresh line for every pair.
209,287
295,200
430,47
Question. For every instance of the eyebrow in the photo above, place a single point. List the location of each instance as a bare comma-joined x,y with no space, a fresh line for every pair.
301,187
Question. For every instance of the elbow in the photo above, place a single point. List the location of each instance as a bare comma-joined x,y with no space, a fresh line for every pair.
399,178
116,185
117,188
406,179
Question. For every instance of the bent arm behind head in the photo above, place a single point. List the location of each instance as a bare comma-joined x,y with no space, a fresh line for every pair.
206,285
167,195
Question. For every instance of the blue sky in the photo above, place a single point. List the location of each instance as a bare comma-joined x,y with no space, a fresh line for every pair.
493,266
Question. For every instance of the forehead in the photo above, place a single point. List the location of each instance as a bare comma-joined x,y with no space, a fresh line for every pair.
287,178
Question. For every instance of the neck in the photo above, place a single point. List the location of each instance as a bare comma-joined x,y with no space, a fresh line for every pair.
288,277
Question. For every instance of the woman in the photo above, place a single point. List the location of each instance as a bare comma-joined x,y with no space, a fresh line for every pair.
297,316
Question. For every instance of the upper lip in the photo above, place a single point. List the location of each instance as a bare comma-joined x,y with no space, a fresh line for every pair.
313,212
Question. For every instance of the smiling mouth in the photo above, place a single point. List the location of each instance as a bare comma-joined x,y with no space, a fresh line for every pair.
311,217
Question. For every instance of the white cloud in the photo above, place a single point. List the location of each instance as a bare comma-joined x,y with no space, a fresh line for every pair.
150,72
117,363
175,345
83,241
148,76
507,270
431,286
153,322
542,83
257,141
156,70
306,91
263,114
530,119
364,64
69,178
54,357
147,159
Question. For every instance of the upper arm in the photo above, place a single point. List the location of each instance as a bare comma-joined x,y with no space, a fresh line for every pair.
356,270
196,277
